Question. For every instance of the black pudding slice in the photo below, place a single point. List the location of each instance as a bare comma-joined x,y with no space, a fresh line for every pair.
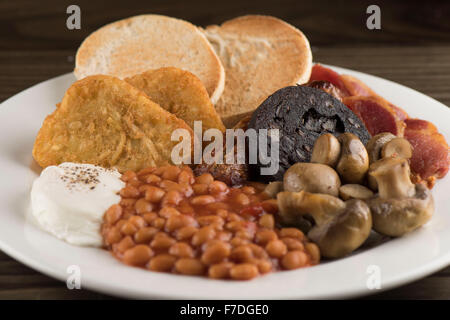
301,114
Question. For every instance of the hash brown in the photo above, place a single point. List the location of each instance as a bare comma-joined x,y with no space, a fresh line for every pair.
105,121
180,92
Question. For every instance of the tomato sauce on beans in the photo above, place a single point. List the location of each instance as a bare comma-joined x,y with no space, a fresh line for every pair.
169,220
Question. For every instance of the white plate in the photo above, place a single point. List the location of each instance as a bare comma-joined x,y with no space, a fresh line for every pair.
399,261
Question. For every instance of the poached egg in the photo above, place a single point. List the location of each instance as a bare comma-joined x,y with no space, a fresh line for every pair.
69,201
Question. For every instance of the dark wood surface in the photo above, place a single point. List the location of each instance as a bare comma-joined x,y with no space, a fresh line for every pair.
413,48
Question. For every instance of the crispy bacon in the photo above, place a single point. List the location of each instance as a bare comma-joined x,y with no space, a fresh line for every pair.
356,87
376,114
430,158
321,73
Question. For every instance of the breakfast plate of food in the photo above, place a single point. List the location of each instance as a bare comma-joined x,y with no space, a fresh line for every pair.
222,163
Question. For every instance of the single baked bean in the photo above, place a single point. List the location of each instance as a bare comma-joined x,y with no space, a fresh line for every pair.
242,199
127,202
242,253
120,223
138,256
179,221
129,192
264,266
264,236
128,229
128,175
171,173
135,183
185,233
113,214
248,190
234,217
203,235
206,178
172,198
258,252
202,200
216,187
186,176
158,223
162,263
235,225
200,188
244,271
267,221
145,235
185,208
167,212
294,259
210,220
236,242
162,242
182,250
143,206
154,194
215,253
291,233
149,217
276,248
222,213
113,236
224,236
190,266
168,185
152,179
313,251
220,270
138,221
293,244
125,244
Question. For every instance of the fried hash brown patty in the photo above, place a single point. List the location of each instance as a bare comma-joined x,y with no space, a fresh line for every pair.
181,93
105,121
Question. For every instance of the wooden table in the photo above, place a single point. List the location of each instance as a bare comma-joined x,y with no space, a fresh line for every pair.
413,48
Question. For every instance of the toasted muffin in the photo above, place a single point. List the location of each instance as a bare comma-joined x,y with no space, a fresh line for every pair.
105,121
260,54
131,46
180,92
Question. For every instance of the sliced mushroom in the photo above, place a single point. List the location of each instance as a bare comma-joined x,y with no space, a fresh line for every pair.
340,227
354,161
312,177
326,150
355,191
376,143
400,206
397,147
273,188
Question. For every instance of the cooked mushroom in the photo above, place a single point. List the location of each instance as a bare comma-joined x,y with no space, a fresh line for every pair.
341,227
273,188
312,177
355,191
397,147
376,143
354,161
326,150
400,206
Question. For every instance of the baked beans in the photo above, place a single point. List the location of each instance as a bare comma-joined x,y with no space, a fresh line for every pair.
168,220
